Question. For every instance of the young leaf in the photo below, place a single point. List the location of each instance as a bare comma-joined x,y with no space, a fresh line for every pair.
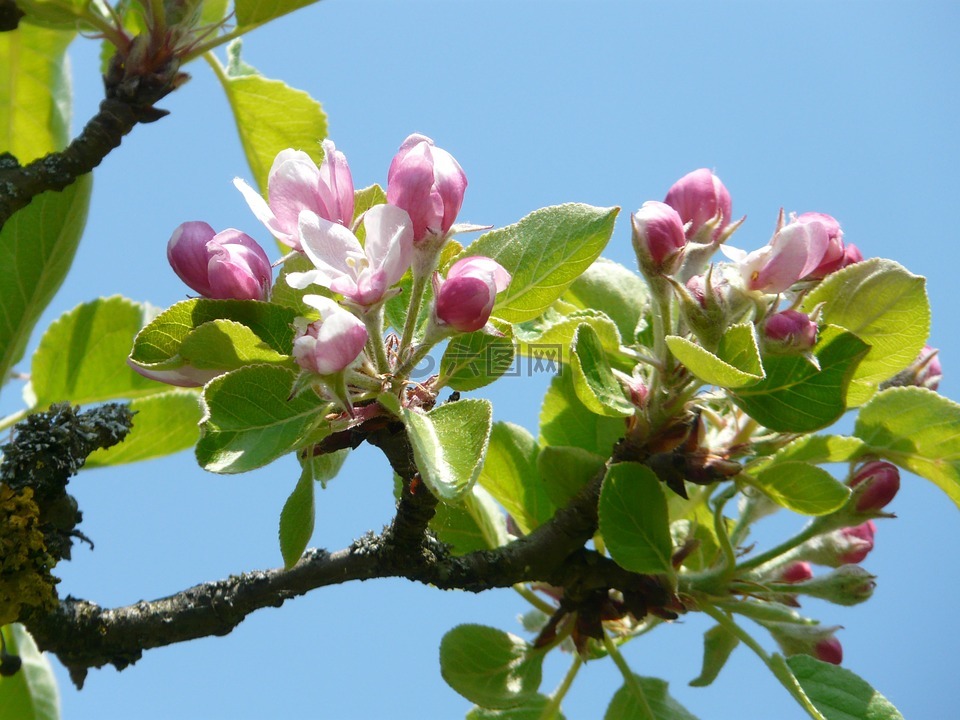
323,467
296,520
645,699
30,694
884,305
163,424
250,419
565,421
801,487
918,430
476,359
634,520
736,364
616,291
839,693
270,115
489,667
718,644
544,252
593,379
510,475
532,708
449,444
797,397
82,357
476,523
565,470
550,335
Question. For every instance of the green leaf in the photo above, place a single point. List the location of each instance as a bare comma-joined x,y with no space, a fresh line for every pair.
736,364
619,293
489,667
801,487
550,335
531,709
283,294
634,520
271,116
30,694
476,359
797,397
593,379
839,693
363,200
250,419
257,332
82,357
818,449
296,520
323,467
918,430
884,305
565,470
476,523
510,474
565,421
251,13
645,699
449,444
718,644
544,252
164,424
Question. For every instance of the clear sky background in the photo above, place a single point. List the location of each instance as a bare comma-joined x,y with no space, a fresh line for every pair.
845,108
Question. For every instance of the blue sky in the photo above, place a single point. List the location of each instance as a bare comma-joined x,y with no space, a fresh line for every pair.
844,108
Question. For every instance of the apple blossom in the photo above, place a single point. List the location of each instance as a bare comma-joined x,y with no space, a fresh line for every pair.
876,483
363,274
794,251
466,298
220,265
789,331
699,197
331,344
428,183
658,237
296,184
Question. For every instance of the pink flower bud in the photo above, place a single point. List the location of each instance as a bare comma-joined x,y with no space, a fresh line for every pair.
428,183
803,639
877,484
332,343
658,237
847,585
789,331
296,184
699,197
465,300
829,650
224,265
927,370
855,543
795,572
795,251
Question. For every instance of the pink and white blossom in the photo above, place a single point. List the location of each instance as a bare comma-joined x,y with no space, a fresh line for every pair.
699,197
793,253
363,274
466,298
332,343
296,184
221,265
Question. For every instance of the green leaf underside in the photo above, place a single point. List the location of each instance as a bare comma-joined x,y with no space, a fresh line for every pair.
817,449
30,694
531,709
884,305
271,116
510,474
82,355
795,396
159,343
296,520
565,470
565,421
164,424
449,444
593,379
616,291
634,520
718,644
476,359
918,430
476,523
736,364
489,667
251,420
801,487
647,700
839,693
544,252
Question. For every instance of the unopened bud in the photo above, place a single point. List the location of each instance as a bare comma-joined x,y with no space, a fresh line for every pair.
815,640
658,238
225,265
876,483
789,332
699,197
795,572
840,547
847,585
926,371
466,298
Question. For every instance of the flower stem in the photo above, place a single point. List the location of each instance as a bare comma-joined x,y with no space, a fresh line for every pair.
532,598
553,706
812,530
629,679
413,312
373,319
776,664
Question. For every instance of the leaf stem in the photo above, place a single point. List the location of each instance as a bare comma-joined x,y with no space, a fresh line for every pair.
810,531
553,706
532,598
629,679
